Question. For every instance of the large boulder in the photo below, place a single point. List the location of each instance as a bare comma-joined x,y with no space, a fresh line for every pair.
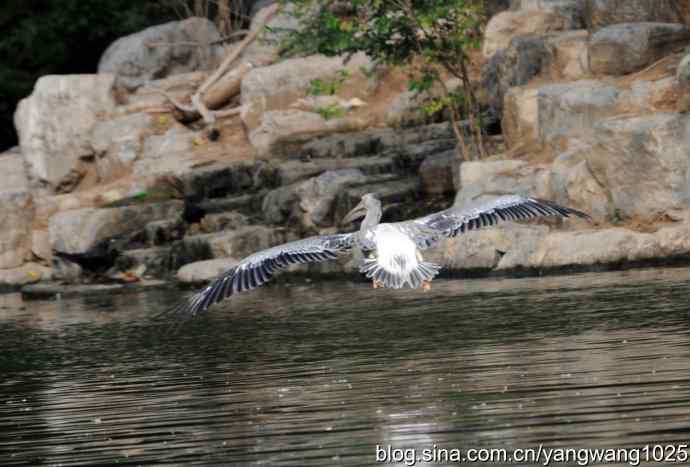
311,202
506,26
568,55
169,153
54,125
573,184
27,273
159,51
562,112
506,248
571,109
520,121
515,66
484,180
437,172
117,143
602,13
204,271
282,133
16,212
628,47
643,161
586,248
245,240
278,86
82,231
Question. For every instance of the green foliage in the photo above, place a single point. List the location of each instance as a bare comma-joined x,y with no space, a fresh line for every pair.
331,111
61,36
319,87
433,37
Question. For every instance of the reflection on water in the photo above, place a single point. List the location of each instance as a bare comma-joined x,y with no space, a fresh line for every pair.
320,374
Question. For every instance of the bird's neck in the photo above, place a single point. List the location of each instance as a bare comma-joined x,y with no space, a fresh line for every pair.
371,220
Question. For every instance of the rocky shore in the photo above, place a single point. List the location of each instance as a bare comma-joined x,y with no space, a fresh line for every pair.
107,185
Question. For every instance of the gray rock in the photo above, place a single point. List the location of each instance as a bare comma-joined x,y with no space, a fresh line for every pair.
66,270
310,202
503,28
283,133
570,109
437,171
223,221
683,73
145,262
205,271
573,184
585,248
169,153
376,141
505,248
278,86
293,171
573,10
280,205
643,162
16,212
520,62
80,231
164,231
13,171
628,47
117,143
484,180
567,55
602,13
317,195
238,243
54,125
162,50
28,273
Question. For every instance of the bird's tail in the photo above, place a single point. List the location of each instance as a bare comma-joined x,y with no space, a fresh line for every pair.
396,279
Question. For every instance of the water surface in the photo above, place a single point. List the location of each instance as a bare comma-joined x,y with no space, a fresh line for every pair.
319,374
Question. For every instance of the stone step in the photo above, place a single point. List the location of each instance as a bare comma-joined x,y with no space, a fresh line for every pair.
237,243
375,141
164,231
222,221
220,179
292,171
249,203
149,262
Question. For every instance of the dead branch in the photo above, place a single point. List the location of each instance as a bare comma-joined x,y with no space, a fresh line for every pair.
222,84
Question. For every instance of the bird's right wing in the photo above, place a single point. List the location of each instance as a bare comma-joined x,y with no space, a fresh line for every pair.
453,221
257,269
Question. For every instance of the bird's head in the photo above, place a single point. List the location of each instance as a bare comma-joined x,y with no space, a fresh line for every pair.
368,203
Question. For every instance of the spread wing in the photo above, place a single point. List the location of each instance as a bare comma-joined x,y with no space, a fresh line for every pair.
429,229
257,269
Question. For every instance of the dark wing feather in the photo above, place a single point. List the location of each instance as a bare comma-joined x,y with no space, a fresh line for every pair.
259,268
454,221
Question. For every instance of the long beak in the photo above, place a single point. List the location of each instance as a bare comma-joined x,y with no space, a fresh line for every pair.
356,212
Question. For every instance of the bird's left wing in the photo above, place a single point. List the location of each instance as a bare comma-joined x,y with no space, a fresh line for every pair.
453,221
257,269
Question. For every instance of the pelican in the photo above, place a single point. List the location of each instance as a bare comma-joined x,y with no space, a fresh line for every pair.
387,253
